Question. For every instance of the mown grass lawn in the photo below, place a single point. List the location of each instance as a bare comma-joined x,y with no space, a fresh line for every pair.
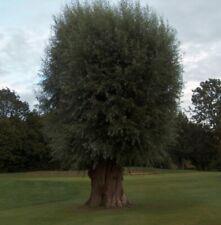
161,198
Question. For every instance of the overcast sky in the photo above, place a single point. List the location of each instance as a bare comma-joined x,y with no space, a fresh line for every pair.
25,29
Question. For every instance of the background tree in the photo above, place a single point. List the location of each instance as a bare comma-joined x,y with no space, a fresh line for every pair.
11,136
207,103
36,147
203,147
111,82
195,145
11,105
182,146
22,144
207,112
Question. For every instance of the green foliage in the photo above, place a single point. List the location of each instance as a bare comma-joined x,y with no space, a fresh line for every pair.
195,145
207,112
11,105
11,135
207,103
38,153
22,144
180,150
198,139
111,82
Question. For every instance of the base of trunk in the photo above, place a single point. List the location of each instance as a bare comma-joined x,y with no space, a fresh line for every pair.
106,186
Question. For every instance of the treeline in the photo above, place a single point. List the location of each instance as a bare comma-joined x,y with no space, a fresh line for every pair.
196,147
24,144
198,141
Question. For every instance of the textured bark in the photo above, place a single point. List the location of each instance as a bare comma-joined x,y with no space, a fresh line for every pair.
107,186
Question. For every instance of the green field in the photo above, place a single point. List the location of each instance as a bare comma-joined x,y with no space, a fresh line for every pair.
159,198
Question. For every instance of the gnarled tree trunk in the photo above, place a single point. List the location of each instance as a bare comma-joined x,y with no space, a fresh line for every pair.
107,186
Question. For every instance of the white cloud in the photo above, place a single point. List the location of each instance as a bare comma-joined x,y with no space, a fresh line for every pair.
22,42
189,86
20,56
201,61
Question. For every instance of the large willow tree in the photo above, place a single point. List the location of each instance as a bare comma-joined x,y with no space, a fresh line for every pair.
111,83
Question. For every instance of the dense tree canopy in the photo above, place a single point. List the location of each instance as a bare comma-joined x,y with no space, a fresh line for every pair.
22,143
111,80
207,103
11,105
207,112
195,145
